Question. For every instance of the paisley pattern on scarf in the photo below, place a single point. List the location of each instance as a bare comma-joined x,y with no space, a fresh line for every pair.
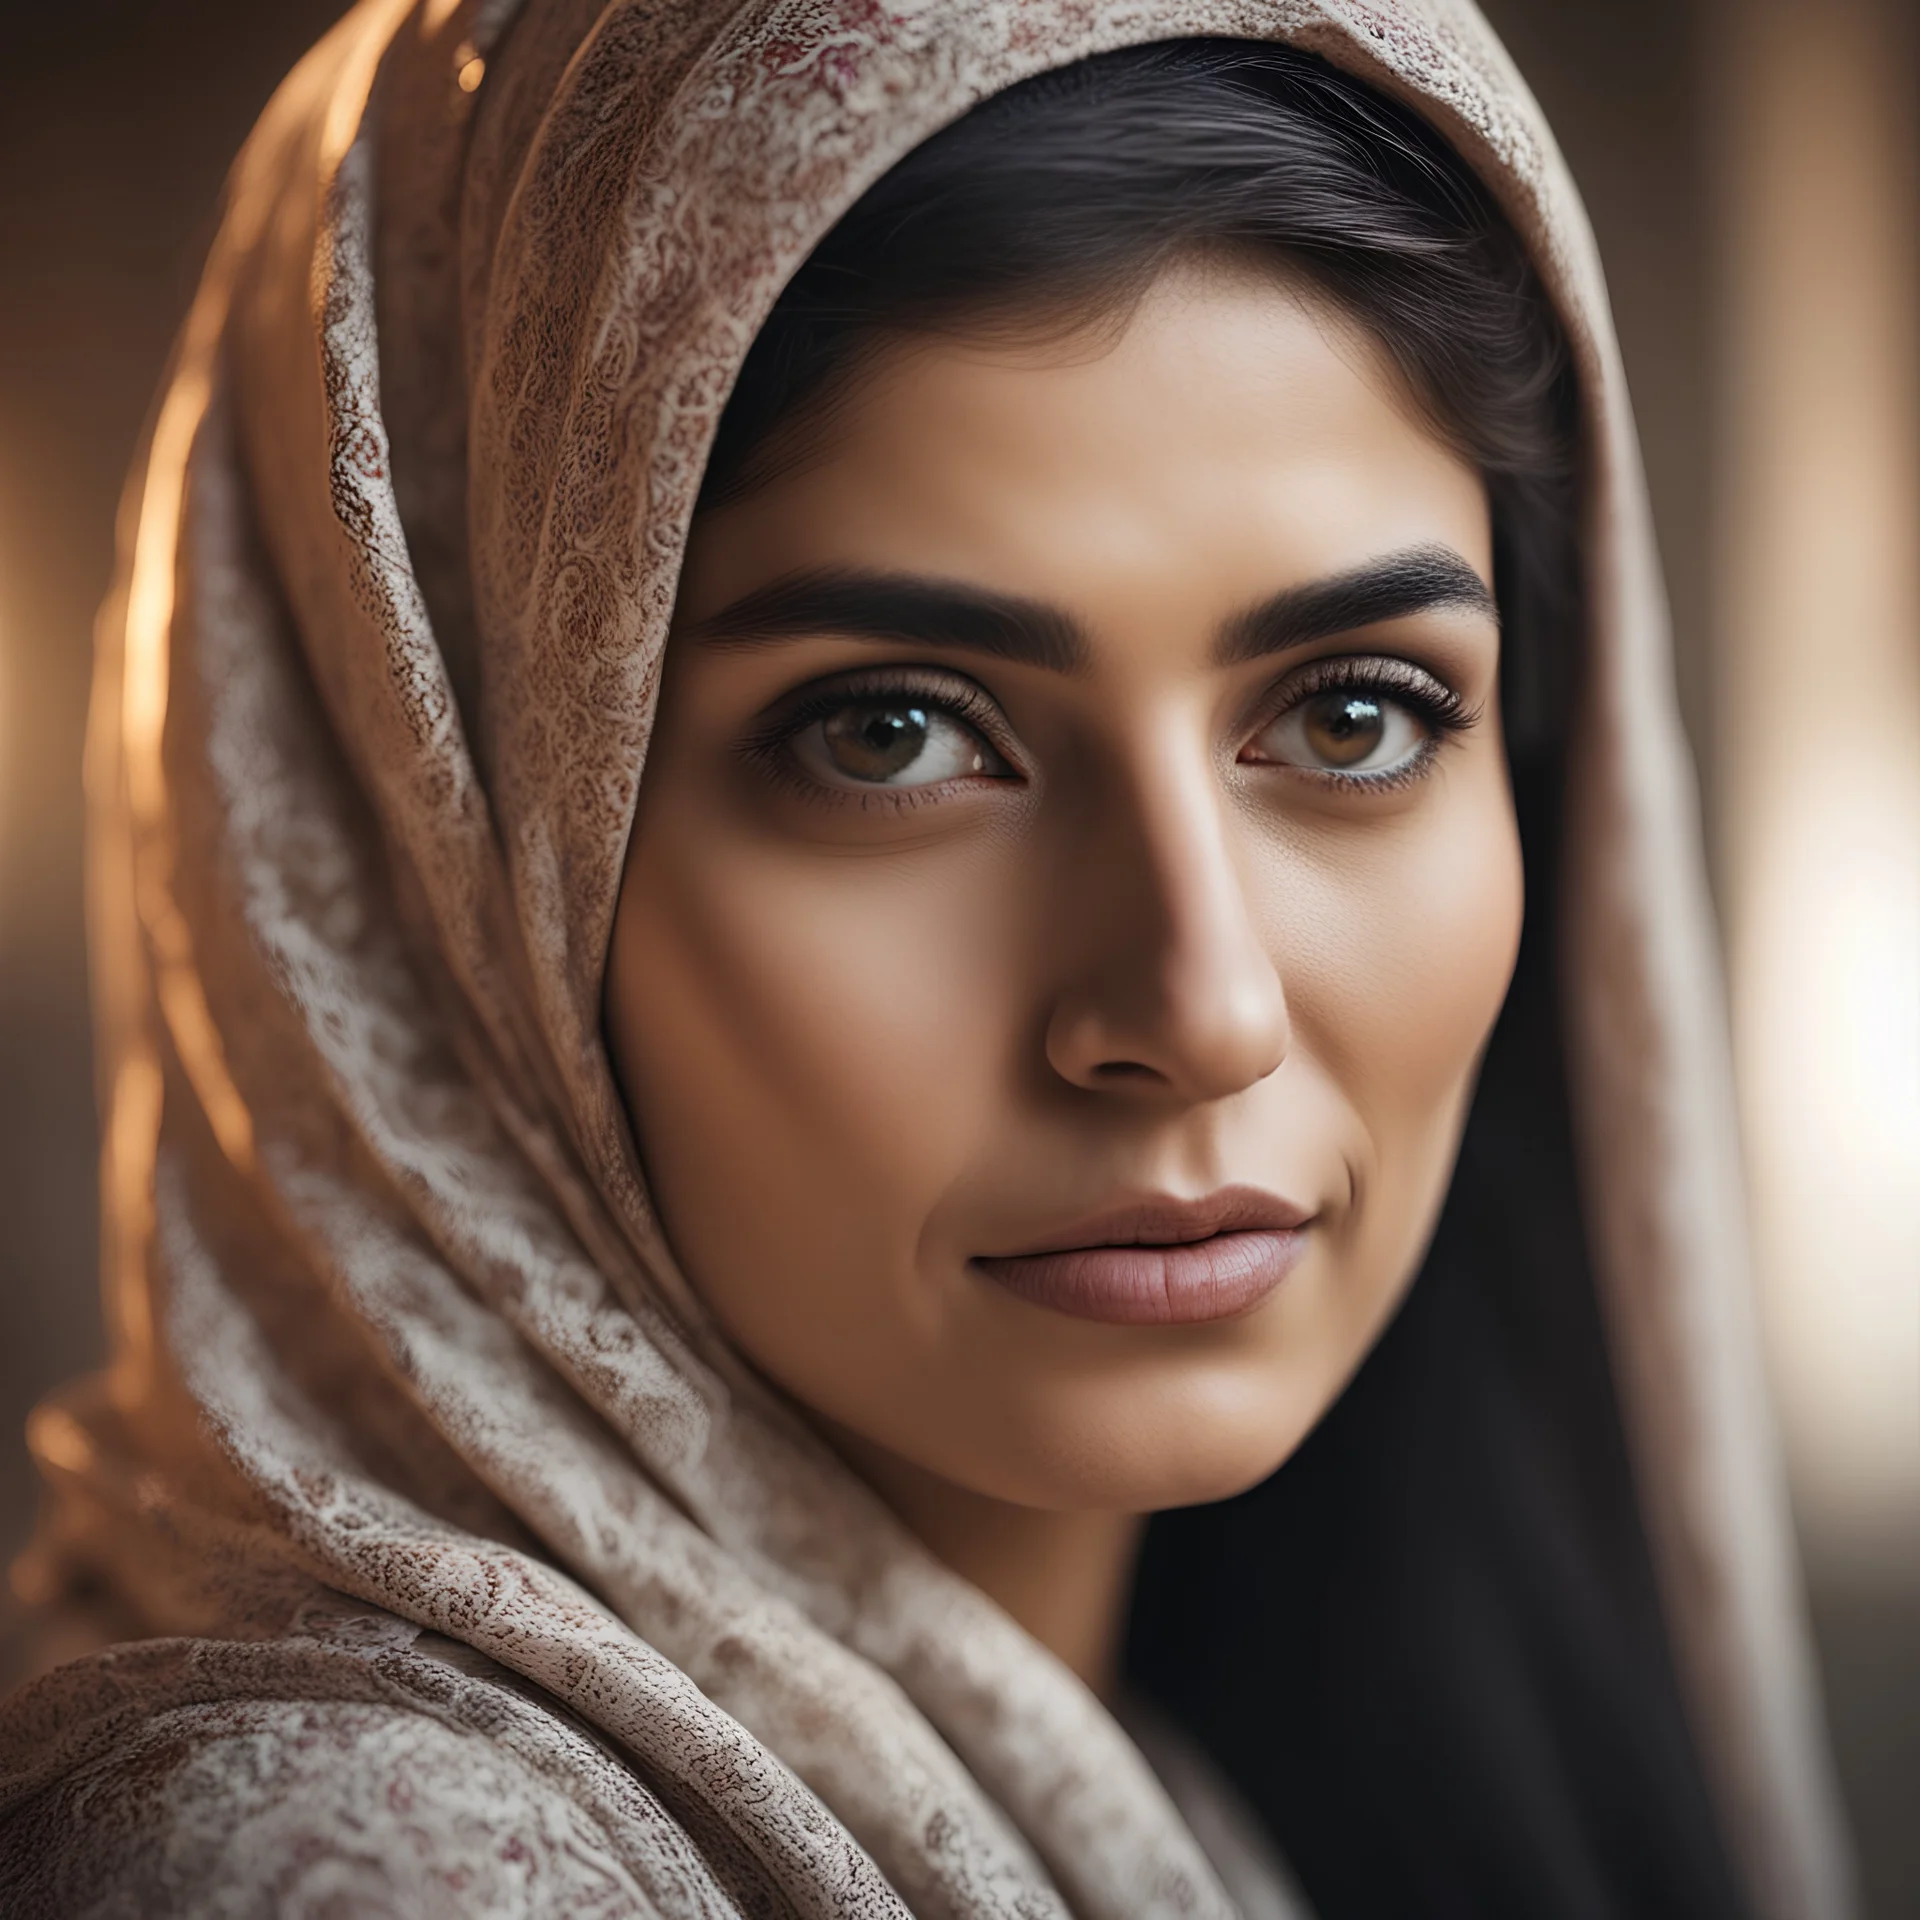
495,1583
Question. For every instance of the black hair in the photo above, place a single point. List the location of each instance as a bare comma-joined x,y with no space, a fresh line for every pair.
1429,1650
1068,195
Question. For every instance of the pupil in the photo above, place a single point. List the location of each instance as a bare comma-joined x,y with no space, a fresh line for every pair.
875,743
1346,727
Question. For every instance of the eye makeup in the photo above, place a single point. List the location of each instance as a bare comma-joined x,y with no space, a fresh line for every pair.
859,735
907,735
1333,717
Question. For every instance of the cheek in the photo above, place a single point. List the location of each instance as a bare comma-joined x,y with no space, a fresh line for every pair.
1397,972
810,1047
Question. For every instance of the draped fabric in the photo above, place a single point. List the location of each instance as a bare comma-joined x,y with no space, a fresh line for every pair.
476,1573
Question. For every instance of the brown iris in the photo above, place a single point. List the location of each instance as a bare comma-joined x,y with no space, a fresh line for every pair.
875,743
1342,729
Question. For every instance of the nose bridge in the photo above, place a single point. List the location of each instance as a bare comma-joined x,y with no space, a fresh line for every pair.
1180,991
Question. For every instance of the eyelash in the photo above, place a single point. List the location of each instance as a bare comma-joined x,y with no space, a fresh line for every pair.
1439,707
768,746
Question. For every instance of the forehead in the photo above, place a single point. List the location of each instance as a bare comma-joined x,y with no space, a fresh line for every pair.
1228,437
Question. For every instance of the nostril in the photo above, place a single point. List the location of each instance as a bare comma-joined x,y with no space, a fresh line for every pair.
1125,1070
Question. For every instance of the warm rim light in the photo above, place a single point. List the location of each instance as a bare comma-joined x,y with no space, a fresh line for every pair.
6,739
9,617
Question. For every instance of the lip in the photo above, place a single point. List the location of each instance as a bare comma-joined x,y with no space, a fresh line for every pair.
1161,1261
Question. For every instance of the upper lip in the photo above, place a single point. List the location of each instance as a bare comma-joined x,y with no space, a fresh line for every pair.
1161,1219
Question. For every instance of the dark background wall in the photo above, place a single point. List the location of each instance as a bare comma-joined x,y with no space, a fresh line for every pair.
117,121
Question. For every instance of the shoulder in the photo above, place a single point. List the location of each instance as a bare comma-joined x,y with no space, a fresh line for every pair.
271,1795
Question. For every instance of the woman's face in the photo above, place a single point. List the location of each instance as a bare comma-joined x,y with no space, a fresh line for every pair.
1074,878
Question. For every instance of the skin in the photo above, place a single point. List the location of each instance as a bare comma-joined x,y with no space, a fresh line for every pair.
869,1033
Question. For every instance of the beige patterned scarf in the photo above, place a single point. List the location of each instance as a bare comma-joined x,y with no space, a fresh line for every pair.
492,1575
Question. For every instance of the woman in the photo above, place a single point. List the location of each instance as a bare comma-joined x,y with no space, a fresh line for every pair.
1094,595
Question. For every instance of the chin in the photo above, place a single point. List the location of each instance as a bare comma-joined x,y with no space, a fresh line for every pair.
1191,1441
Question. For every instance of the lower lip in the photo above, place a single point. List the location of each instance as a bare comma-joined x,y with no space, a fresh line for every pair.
1154,1286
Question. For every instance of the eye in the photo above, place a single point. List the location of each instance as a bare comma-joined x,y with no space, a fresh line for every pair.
892,743
1345,730
1355,729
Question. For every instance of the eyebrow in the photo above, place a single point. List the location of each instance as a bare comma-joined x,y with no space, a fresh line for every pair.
910,609
1390,588
901,609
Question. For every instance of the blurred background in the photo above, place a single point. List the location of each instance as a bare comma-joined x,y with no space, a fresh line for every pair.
1752,171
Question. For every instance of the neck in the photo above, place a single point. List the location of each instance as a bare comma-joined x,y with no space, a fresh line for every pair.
1063,1576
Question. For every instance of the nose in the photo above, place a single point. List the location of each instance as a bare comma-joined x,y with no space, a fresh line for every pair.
1177,997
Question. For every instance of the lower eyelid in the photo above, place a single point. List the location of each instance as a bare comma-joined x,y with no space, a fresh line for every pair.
1412,765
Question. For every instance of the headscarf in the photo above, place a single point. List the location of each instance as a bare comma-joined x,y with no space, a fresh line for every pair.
409,1407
